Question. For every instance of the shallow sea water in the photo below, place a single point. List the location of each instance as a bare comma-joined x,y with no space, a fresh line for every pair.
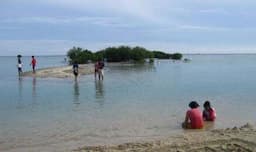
136,102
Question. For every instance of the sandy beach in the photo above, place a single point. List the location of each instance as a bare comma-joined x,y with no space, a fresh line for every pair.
236,139
60,72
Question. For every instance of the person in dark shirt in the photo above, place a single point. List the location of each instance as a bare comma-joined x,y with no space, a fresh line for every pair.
75,69
19,65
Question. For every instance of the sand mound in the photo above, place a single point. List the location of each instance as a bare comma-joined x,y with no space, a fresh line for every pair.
241,139
60,72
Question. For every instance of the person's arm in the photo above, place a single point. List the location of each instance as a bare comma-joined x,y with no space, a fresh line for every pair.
204,115
187,117
185,124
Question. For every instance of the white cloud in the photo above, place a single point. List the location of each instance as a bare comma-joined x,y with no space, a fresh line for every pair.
115,22
204,28
160,22
215,11
64,20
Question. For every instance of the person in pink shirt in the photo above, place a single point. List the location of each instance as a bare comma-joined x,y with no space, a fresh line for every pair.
209,113
194,117
33,63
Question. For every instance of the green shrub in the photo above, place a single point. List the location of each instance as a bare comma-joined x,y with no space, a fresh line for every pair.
176,56
118,54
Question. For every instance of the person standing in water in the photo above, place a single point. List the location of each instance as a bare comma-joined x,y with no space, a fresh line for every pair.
33,64
96,69
101,70
19,65
75,69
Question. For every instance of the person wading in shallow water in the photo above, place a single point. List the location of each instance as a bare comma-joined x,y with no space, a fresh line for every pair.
96,69
33,64
101,70
19,65
194,117
75,69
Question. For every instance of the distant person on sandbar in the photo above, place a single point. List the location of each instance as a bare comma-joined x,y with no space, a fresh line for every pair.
209,113
101,70
75,69
194,117
33,64
96,69
19,65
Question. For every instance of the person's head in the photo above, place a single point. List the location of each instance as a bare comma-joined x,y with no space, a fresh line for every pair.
33,56
193,105
207,104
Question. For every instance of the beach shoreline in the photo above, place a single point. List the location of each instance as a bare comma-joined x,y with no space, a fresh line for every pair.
236,139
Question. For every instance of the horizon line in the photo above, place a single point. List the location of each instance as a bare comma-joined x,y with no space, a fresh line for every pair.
49,55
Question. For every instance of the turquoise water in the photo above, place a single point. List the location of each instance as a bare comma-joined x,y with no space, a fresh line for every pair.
135,102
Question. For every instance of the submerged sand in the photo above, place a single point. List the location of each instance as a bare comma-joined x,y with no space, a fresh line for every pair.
60,72
241,139
235,139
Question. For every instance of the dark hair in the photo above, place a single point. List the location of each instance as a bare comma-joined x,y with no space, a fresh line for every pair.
193,104
207,104
32,56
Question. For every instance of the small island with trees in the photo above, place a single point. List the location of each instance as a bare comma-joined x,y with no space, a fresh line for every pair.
118,54
111,54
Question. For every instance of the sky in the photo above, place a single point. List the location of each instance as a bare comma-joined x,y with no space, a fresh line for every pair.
52,27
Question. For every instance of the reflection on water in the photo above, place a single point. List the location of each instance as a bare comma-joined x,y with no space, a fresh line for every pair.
99,91
133,101
34,87
76,93
138,68
34,94
20,88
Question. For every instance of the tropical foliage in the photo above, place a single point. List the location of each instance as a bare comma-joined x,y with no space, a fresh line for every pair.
118,54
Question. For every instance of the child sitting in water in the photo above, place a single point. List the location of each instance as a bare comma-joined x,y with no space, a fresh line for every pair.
209,113
194,117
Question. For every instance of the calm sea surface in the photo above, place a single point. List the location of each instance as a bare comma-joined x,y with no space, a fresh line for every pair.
132,103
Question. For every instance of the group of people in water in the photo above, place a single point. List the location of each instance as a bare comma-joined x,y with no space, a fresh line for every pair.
32,63
98,69
195,117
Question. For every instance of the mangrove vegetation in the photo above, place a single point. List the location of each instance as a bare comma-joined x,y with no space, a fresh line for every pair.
118,54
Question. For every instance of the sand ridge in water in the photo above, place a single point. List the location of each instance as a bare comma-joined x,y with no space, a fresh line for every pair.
241,139
60,72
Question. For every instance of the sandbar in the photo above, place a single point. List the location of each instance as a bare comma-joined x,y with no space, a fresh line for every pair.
60,72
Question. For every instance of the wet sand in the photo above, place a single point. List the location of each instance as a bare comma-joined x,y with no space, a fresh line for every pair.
235,139
60,72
